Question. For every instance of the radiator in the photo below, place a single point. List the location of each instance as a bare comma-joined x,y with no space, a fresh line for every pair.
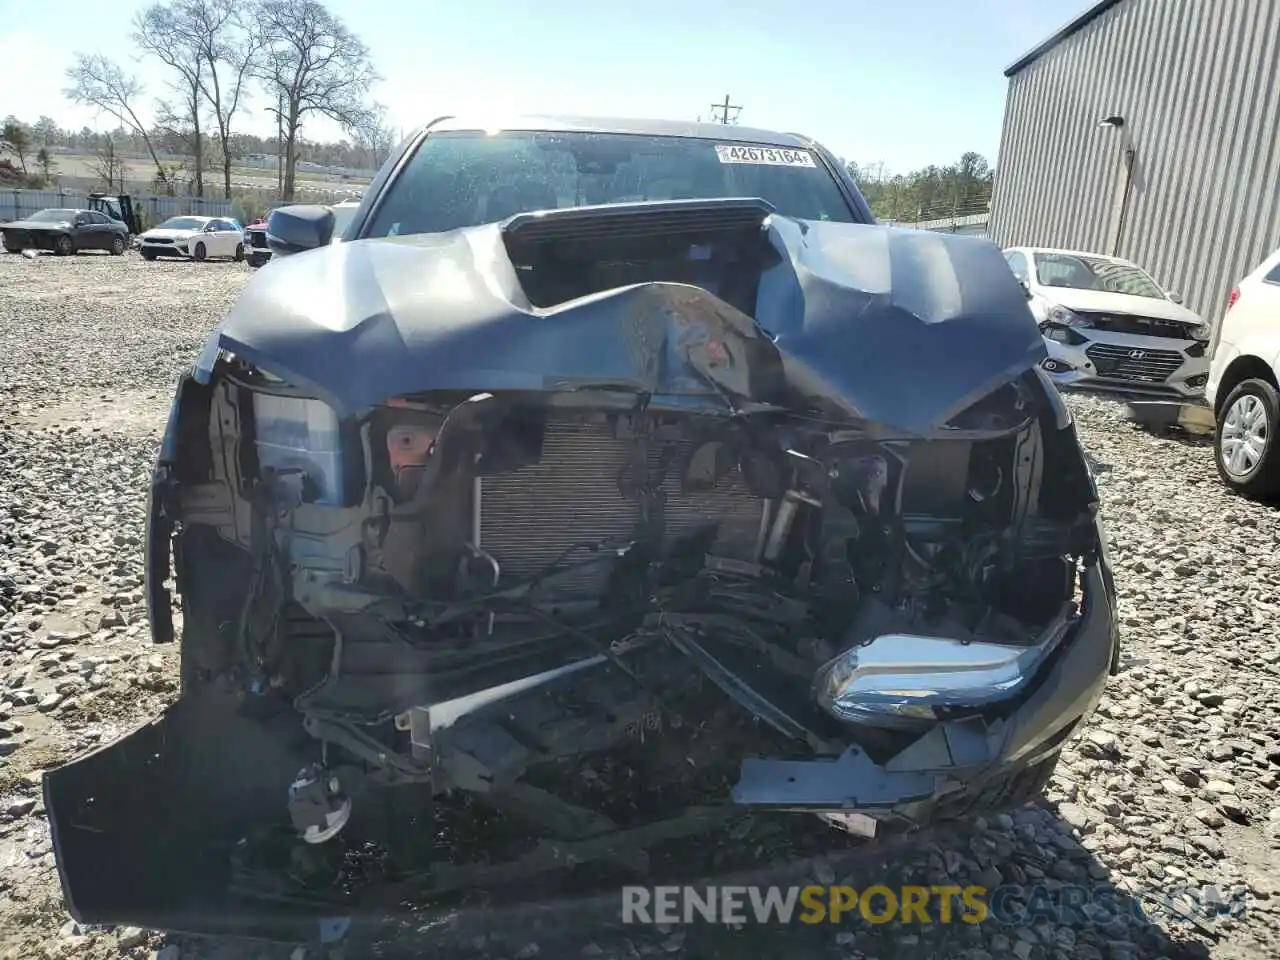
529,517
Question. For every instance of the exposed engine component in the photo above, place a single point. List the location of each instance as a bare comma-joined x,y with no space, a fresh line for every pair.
501,537
317,806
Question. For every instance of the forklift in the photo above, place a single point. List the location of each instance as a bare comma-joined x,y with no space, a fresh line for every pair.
118,208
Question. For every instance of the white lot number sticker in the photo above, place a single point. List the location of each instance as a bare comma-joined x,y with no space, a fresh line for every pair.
769,156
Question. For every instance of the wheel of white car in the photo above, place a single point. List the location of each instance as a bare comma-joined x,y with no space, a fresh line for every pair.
1245,447
198,252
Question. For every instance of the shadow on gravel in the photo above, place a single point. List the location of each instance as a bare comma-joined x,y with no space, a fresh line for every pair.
1176,434
1152,424
1043,895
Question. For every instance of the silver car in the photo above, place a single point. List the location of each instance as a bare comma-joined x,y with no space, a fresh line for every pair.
1107,323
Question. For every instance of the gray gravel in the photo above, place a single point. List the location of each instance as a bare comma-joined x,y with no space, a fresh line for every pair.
1172,786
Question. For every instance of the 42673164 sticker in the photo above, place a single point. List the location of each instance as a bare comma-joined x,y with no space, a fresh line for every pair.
768,156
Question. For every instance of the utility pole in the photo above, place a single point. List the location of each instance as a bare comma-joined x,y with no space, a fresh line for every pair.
724,109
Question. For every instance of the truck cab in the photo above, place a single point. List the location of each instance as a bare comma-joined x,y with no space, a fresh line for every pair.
118,208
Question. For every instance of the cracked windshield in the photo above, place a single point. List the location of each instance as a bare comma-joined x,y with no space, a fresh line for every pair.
707,481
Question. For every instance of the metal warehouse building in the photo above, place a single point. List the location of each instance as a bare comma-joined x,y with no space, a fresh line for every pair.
1149,129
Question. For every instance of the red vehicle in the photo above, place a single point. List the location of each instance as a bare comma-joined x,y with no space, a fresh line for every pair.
256,233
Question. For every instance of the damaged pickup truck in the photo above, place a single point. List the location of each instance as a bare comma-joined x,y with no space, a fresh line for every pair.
613,481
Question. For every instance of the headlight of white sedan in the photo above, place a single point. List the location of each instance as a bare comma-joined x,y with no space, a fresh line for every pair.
1064,317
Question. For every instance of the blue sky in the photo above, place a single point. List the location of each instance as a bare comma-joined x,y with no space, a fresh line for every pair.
902,82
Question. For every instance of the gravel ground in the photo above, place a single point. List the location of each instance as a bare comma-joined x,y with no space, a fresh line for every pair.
1173,785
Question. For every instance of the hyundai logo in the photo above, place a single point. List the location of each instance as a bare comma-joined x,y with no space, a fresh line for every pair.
1137,354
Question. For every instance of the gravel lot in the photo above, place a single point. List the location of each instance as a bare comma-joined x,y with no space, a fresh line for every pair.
1174,785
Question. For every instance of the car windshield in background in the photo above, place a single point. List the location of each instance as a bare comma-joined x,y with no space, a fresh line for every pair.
54,215
343,214
1094,273
459,180
183,223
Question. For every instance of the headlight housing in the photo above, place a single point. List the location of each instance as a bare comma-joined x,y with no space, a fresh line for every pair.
1065,317
1202,331
302,436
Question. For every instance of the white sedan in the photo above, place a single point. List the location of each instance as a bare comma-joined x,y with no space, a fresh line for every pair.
196,238
1108,324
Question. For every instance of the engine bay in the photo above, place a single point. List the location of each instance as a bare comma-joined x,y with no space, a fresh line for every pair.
438,545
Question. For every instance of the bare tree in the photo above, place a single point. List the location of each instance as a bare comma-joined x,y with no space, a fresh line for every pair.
374,135
312,64
229,43
176,135
108,165
98,82
165,32
212,45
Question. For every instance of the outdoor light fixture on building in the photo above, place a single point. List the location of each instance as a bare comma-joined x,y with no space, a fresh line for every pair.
1120,205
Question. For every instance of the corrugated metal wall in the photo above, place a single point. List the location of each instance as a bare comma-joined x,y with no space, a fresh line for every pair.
1198,84
16,204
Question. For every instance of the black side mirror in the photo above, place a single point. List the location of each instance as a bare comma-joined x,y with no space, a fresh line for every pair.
298,228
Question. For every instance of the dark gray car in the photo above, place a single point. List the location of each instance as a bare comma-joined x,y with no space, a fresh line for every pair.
64,231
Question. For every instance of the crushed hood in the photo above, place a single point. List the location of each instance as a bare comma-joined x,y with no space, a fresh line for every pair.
903,327
1097,301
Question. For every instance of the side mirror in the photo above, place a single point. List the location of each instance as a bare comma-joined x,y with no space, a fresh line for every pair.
298,228
1026,288
1174,296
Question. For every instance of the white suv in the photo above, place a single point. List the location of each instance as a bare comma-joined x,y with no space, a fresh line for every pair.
1242,387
